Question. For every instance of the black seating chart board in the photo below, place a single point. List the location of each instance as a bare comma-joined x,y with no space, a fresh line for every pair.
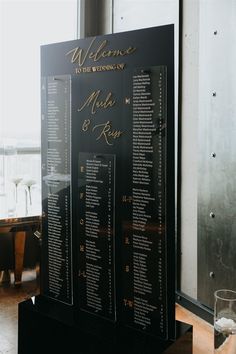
108,178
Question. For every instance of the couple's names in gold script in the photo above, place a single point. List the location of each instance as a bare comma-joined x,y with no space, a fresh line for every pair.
95,102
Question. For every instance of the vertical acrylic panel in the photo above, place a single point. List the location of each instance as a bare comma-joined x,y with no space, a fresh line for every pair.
145,228
217,146
56,188
97,234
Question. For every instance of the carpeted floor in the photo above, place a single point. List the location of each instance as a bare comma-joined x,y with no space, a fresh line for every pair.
9,299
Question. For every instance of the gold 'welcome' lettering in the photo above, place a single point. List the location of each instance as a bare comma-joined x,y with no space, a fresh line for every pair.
79,55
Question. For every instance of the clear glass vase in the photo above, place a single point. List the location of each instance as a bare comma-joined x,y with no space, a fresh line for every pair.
225,321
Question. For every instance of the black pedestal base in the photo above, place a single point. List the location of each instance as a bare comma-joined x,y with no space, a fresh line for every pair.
39,333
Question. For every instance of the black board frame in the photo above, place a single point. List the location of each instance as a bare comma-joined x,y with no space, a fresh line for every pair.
153,47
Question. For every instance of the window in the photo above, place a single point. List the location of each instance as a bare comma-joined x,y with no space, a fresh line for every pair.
25,26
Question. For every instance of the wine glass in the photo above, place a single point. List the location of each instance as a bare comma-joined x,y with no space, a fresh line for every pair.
28,184
16,181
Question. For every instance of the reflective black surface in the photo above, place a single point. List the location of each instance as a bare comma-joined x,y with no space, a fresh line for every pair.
40,333
119,90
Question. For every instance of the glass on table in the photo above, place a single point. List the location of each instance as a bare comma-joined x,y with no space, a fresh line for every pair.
225,321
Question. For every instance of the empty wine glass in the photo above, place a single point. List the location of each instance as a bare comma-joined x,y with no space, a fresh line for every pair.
16,181
28,183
